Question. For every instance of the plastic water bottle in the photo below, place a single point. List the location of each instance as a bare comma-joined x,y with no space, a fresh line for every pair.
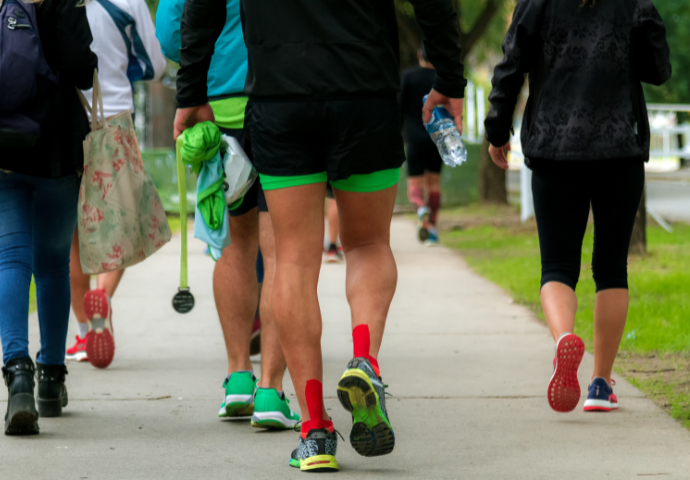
445,135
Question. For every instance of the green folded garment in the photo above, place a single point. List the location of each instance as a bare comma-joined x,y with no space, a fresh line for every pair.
201,143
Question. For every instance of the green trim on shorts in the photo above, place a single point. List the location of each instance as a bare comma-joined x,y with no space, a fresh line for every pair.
229,112
368,182
272,182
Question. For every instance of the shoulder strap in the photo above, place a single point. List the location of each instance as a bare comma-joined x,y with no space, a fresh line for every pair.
96,104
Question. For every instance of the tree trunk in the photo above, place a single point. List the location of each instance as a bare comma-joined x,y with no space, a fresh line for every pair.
492,180
638,242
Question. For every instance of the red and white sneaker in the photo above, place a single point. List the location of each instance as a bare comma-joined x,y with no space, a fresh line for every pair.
78,352
100,342
564,388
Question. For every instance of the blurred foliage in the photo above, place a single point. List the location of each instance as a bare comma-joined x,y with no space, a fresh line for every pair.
676,15
482,25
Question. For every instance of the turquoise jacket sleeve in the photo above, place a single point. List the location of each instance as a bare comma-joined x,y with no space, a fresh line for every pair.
168,18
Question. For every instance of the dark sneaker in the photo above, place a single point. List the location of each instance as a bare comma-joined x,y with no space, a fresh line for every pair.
21,417
316,453
601,397
334,254
564,387
362,393
423,218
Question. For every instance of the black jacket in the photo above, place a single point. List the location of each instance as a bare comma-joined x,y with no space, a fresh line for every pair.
318,48
65,37
585,67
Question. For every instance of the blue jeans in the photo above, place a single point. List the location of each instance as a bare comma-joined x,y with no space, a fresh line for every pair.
37,221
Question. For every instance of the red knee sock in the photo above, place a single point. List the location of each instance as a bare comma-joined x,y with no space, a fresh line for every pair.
361,340
434,206
314,396
416,196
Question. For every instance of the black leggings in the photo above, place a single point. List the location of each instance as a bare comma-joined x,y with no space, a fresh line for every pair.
563,192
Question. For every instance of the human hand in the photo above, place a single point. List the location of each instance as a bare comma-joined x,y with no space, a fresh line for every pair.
453,105
498,155
188,117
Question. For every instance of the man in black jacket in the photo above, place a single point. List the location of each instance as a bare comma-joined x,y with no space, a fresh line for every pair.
322,84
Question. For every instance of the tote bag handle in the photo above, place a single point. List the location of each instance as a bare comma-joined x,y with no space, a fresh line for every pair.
96,104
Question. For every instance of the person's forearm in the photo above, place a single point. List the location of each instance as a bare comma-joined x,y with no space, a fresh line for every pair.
438,22
202,24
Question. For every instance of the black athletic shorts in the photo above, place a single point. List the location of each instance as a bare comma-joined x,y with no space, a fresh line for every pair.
255,196
340,138
423,157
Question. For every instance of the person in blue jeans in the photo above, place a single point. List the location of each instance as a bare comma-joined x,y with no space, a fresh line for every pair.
39,189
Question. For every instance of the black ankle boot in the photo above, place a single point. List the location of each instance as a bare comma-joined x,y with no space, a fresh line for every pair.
52,393
21,417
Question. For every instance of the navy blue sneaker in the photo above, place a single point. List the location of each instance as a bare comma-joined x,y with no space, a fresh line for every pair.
601,397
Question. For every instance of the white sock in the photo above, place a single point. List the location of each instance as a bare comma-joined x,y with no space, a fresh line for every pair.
555,348
83,330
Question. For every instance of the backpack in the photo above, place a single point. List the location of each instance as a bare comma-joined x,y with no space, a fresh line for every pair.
22,61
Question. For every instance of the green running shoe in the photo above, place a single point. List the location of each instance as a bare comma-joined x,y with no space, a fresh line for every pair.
272,411
239,395
362,393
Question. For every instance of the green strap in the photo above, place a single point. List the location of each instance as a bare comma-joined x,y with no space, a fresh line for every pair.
182,190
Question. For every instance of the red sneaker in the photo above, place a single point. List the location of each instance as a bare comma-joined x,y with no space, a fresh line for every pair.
78,351
564,388
255,342
100,343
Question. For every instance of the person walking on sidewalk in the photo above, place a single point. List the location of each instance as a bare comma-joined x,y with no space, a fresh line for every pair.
585,135
235,277
128,51
39,188
423,160
322,83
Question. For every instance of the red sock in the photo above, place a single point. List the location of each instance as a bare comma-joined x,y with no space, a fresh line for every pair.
314,396
360,338
416,196
434,206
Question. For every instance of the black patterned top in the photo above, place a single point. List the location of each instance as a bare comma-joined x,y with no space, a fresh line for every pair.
585,65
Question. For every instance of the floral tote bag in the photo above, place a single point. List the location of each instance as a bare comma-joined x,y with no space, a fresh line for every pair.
121,220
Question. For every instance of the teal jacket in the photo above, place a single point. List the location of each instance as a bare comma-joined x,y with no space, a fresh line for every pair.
228,70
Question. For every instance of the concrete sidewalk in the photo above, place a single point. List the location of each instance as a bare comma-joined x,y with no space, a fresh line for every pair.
468,369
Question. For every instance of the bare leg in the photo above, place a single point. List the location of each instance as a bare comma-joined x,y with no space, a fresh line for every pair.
272,358
610,313
415,190
560,305
365,220
332,221
79,282
109,281
297,216
236,290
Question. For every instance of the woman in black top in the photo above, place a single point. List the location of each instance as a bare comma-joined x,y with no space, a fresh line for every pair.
39,187
585,134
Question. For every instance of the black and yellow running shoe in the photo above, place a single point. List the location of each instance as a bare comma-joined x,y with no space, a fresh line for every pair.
362,393
316,452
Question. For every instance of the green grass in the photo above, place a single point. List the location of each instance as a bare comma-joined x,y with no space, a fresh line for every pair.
658,327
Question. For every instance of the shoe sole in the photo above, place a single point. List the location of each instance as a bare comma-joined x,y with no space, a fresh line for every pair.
371,433
423,227
22,418
599,406
319,463
564,387
51,408
100,343
77,357
239,409
332,260
272,421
